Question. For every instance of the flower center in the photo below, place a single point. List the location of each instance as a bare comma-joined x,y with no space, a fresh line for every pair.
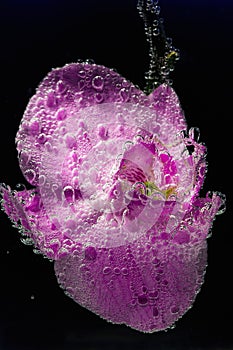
110,190
152,190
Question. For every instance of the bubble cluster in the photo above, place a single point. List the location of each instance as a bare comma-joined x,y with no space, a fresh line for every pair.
163,55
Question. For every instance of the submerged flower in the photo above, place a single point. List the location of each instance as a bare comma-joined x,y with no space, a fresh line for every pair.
115,203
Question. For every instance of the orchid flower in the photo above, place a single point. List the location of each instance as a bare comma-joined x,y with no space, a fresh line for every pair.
116,177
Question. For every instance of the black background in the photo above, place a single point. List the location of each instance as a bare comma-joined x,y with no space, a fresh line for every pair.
36,36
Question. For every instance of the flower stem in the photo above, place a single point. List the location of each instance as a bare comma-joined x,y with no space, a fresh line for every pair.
161,51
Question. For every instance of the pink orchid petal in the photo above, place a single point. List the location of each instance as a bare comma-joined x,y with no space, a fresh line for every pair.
168,109
147,287
117,199
59,97
26,211
144,291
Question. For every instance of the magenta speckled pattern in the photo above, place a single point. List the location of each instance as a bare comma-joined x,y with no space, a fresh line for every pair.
115,203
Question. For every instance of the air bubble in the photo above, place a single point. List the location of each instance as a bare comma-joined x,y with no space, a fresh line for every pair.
133,302
98,82
92,283
139,138
30,175
42,180
88,61
102,132
156,31
156,10
222,207
144,289
175,309
20,187
155,311
142,300
82,74
156,262
110,284
153,295
124,271
70,290
107,270
99,97
117,271
61,87
124,94
61,114
27,241
90,253
194,133
127,145
83,268
70,141
42,138
69,193
51,99
24,157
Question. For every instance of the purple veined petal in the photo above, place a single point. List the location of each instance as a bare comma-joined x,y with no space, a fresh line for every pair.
26,211
13,208
171,118
61,94
143,295
137,163
169,110
148,284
